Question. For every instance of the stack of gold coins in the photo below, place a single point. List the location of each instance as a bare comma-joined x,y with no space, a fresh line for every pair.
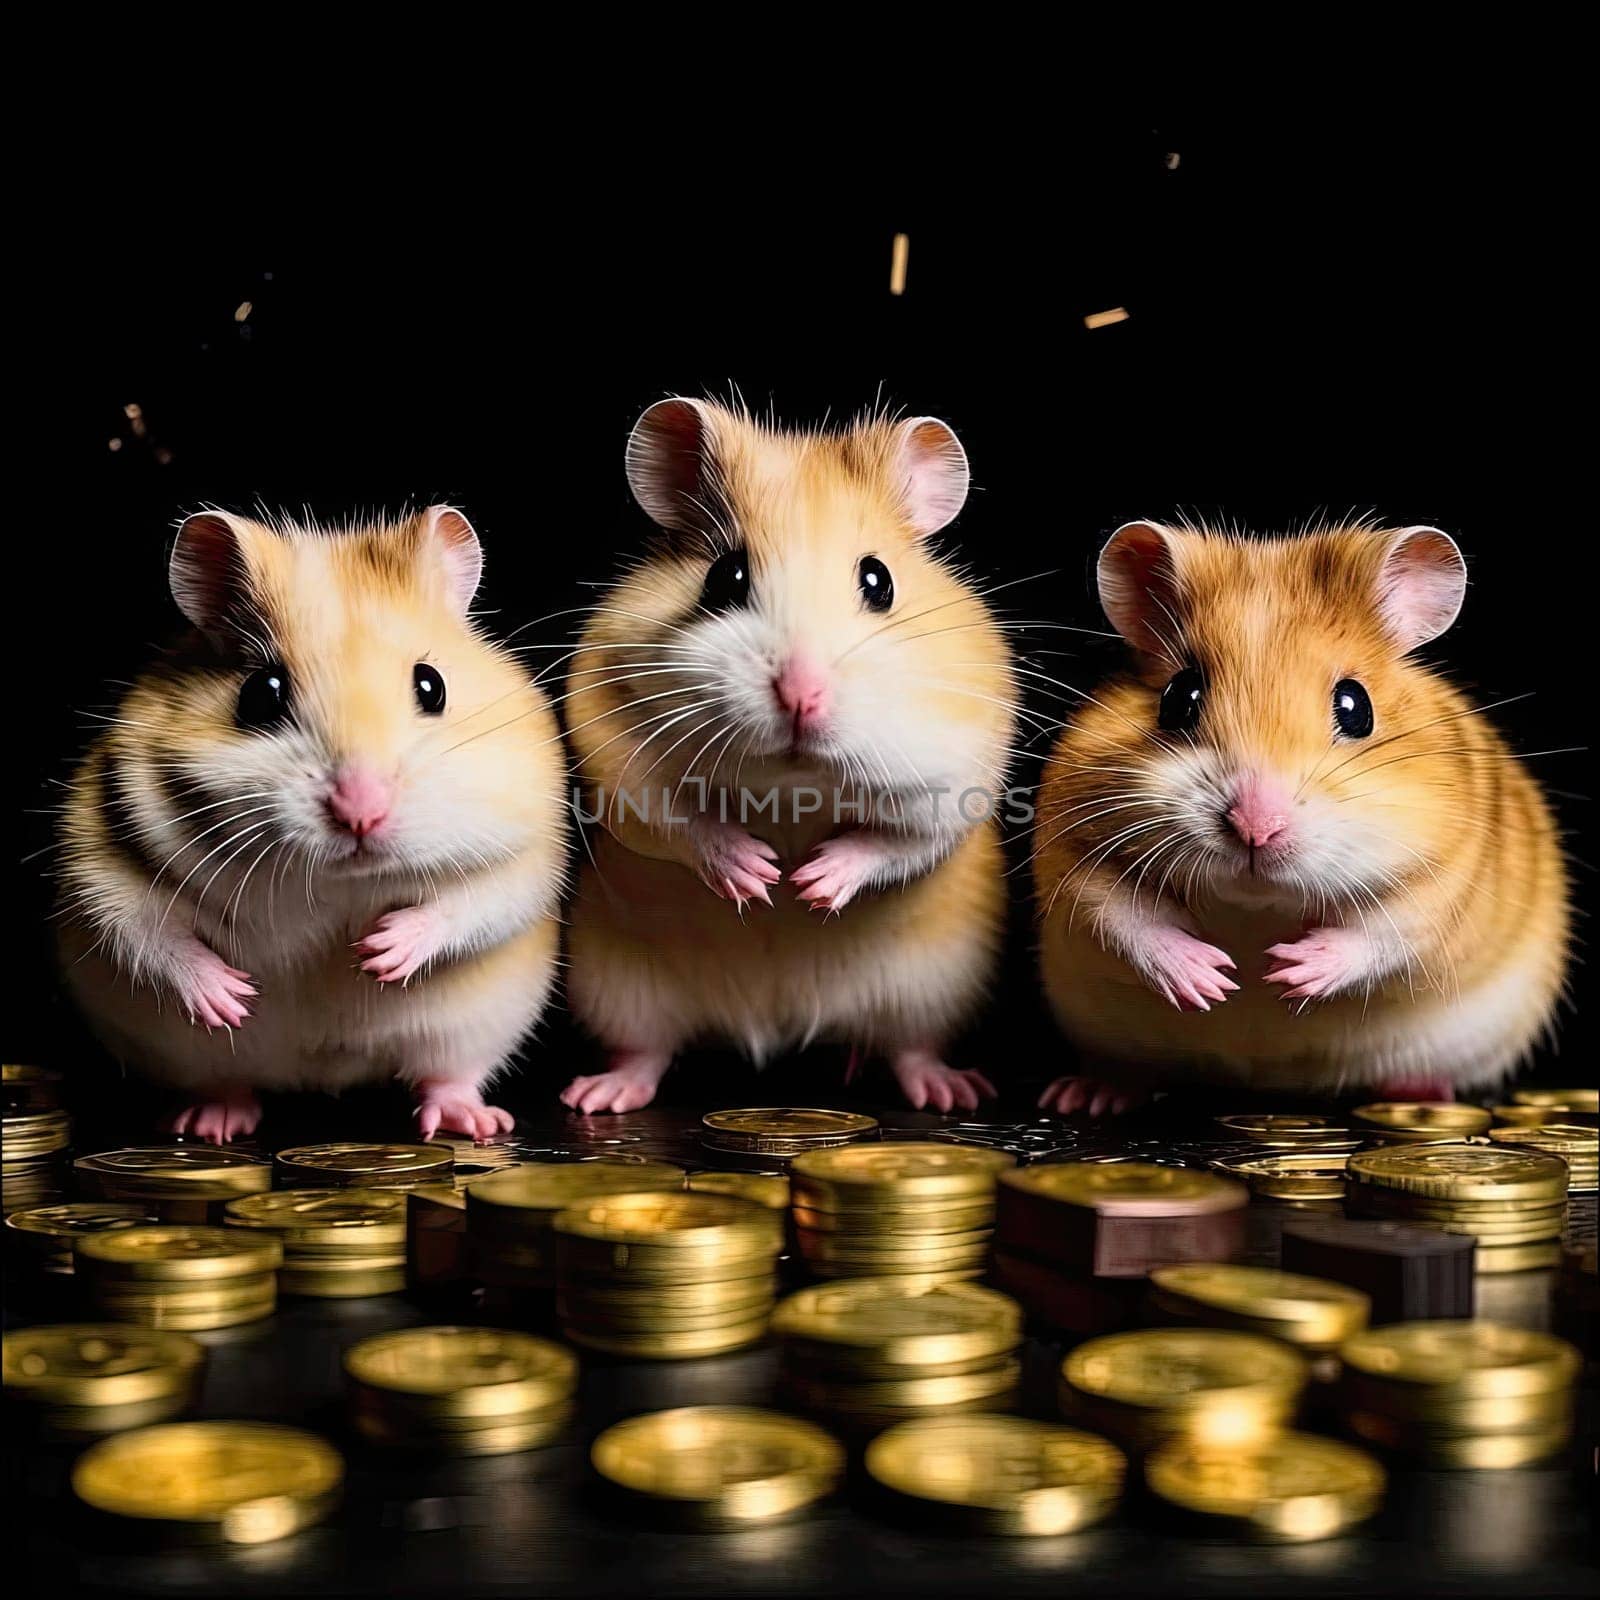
366,1166
1302,1180
1315,1315
187,1183
663,1276
1579,1147
337,1243
997,1475
96,1377
233,1482
1281,1131
1585,1100
510,1244
765,1188
173,1275
1460,1393
778,1133
34,1136
1512,1202
715,1467
1420,1122
42,1237
1288,1487
460,1391
920,1210
876,1351
1211,1385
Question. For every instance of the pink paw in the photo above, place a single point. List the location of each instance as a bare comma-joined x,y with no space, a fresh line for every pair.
1413,1089
927,1081
234,1114
398,944
209,990
835,872
1187,971
630,1084
1317,965
458,1108
1089,1095
735,864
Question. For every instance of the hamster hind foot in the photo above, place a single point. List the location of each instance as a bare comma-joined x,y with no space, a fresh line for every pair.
231,1112
627,1085
1092,1096
447,1105
927,1081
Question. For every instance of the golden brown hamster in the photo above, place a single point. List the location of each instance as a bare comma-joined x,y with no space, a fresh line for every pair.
323,839
814,707
1277,850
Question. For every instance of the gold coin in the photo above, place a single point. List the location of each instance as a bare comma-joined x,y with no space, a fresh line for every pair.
1429,1410
786,1127
1527,1257
905,1394
248,1481
1301,1310
1560,1099
465,1372
25,1089
1003,1474
1462,1172
1464,1451
551,1186
1423,1116
1127,1188
369,1165
765,1188
901,1324
175,1171
345,1283
346,1218
1525,1116
685,1345
495,1438
170,1252
1268,1128
35,1134
1472,1358
908,1170
183,1294
721,1464
1294,1486
1552,1135
98,1364
678,1221
1308,1173
48,1231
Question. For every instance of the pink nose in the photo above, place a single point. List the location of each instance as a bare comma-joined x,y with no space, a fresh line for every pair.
801,689
1259,813
359,802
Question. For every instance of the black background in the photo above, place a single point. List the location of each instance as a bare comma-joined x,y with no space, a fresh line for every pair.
1362,300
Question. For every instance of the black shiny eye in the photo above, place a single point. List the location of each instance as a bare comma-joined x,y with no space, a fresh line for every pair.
1352,709
1180,701
427,683
264,697
727,582
877,584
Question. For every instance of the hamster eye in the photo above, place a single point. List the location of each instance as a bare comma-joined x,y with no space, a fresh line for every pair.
877,584
727,582
264,697
1352,709
1180,701
427,683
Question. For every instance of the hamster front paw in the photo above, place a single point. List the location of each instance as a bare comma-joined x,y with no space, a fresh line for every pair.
1089,1095
1184,969
835,873
209,990
927,1081
630,1084
399,943
457,1108
733,863
233,1112
1319,965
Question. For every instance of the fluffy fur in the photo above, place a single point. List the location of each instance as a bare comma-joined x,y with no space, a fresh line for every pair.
878,929
219,928
1404,926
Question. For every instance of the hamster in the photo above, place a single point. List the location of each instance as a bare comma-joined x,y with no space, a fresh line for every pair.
1279,852
815,710
323,840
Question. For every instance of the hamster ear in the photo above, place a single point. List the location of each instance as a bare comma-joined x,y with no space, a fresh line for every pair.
934,473
667,460
1421,585
457,543
1138,584
208,572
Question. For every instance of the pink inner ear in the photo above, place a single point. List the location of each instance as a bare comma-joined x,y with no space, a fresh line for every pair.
1136,581
463,555
207,569
936,474
666,461
1423,583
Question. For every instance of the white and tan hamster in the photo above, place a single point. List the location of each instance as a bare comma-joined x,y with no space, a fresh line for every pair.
323,840
792,718
1278,851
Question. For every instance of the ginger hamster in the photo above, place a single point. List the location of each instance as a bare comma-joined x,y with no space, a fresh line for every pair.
1277,851
323,839
814,709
